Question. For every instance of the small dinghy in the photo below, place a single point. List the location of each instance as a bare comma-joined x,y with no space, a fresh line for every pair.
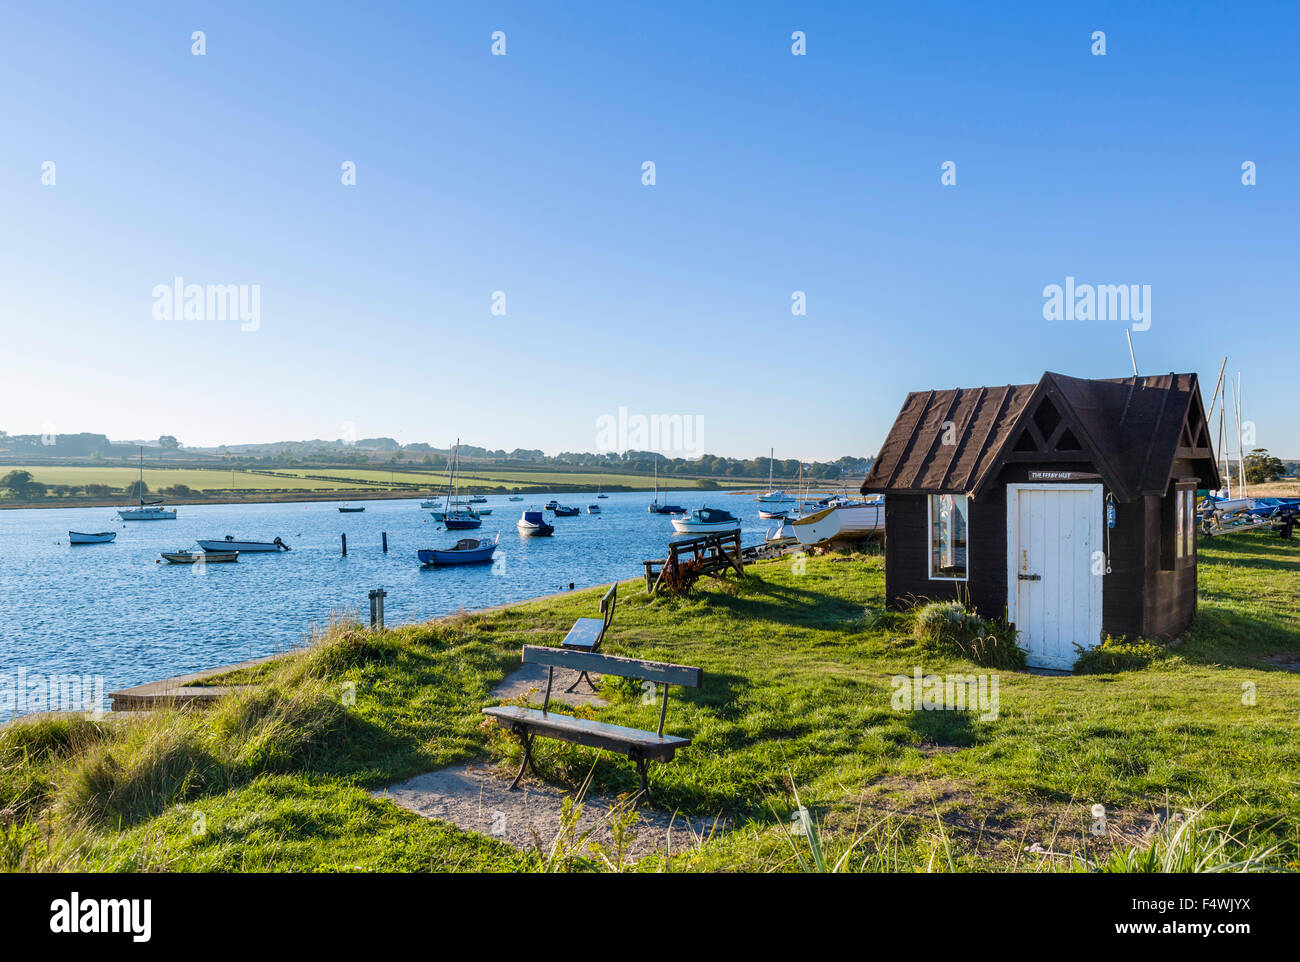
230,544
532,523
466,551
564,511
99,537
199,557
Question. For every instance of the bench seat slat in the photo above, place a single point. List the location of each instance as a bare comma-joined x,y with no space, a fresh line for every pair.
660,671
592,734
585,634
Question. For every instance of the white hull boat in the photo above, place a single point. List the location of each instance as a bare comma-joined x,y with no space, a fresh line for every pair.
147,510
146,513
99,537
706,521
230,544
844,522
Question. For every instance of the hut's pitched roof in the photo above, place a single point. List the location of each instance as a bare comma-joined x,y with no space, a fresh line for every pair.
1130,429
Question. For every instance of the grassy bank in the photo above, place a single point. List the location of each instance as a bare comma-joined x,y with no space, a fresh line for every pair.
797,665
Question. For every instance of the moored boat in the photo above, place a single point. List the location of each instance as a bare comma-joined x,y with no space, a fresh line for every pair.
461,520
593,509
230,544
465,551
706,521
146,510
533,522
199,557
98,537
345,509
564,511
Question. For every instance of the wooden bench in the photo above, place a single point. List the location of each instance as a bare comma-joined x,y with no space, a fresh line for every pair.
642,747
587,633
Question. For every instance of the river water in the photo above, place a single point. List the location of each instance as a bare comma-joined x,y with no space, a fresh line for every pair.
111,611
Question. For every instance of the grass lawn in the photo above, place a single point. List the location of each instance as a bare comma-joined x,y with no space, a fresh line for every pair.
797,696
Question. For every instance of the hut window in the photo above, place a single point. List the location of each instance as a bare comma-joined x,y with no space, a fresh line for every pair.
949,514
1186,524
1178,539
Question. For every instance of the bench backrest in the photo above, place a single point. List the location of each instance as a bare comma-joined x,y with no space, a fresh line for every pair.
607,606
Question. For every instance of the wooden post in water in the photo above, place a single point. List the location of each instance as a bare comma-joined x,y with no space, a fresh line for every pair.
385,534
377,597
345,544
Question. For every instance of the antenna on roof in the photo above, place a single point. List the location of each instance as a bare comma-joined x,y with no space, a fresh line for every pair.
1131,356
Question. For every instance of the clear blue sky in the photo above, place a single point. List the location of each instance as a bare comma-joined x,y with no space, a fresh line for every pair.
522,173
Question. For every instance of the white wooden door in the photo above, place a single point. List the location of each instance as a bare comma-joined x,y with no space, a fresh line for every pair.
1053,580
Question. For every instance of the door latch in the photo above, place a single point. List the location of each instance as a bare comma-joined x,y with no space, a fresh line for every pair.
1025,577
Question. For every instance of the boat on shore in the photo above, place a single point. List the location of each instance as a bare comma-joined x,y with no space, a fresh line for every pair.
842,521
706,521
466,551
230,544
98,537
199,557
533,522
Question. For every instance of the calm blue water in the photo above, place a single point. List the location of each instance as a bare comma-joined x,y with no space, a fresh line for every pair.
111,610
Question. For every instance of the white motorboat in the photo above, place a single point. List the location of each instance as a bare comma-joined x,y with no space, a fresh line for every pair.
706,521
230,544
99,537
533,522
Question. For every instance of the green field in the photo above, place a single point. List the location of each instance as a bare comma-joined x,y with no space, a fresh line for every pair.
511,478
797,664
228,483
157,478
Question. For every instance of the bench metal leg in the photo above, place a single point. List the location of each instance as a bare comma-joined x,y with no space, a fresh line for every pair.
527,742
642,770
581,676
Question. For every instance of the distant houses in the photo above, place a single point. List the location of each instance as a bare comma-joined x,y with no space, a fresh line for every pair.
1065,507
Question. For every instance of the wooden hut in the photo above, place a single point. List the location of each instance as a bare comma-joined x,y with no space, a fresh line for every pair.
1066,507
